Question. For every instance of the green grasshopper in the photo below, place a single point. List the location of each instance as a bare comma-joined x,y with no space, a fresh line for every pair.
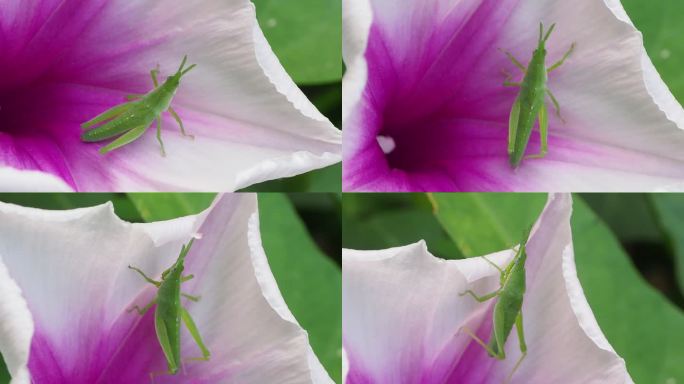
131,119
529,105
170,312
508,308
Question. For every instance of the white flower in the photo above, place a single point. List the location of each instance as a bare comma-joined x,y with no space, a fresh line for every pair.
67,290
403,316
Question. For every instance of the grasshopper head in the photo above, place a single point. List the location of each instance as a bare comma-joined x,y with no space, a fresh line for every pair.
543,37
179,264
176,77
181,70
521,255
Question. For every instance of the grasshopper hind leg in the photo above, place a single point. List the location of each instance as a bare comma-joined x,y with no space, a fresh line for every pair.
107,115
523,346
543,133
124,139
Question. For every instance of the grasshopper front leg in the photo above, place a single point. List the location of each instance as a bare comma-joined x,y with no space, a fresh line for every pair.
142,311
513,60
483,298
562,60
144,276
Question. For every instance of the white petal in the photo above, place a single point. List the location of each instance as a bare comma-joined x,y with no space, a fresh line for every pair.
402,310
275,298
71,269
611,97
623,129
251,121
16,329
556,313
14,180
54,255
356,22
242,315
403,313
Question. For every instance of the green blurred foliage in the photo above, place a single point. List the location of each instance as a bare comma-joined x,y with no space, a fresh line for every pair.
4,374
306,35
328,179
668,209
166,206
123,207
641,323
391,220
643,326
660,22
634,224
310,282
494,221
294,229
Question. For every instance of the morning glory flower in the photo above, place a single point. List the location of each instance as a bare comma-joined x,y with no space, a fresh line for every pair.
403,315
425,108
67,291
65,62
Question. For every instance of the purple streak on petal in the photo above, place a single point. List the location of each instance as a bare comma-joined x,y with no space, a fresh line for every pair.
461,360
43,364
474,364
137,355
125,352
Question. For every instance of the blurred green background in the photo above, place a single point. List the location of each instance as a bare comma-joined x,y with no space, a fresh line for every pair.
660,21
306,35
301,235
629,250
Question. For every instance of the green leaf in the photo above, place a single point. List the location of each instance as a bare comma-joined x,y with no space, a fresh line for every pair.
327,99
310,282
306,35
396,228
56,201
362,205
4,374
661,24
482,223
643,327
670,212
166,206
628,215
328,179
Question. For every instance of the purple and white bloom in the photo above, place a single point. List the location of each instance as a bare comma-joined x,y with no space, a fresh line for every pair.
65,62
403,316
67,290
425,108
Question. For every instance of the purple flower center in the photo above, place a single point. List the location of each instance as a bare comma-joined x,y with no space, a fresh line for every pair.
437,94
62,63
